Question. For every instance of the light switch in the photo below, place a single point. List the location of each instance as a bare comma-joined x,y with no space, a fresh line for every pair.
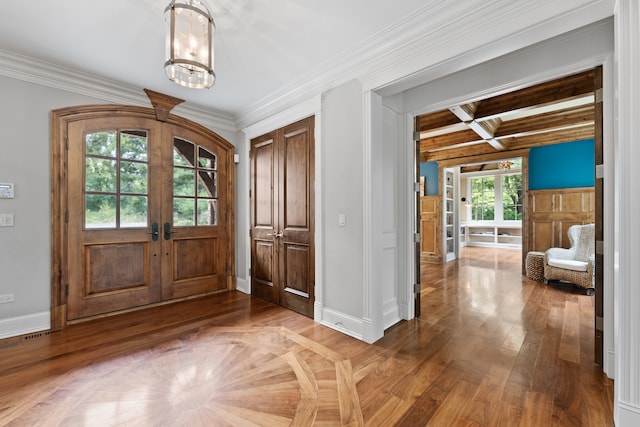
6,190
6,220
342,220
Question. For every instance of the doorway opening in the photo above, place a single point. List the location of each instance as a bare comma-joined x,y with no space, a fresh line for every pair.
497,130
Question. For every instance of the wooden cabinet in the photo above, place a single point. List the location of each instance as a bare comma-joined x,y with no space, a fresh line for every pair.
430,229
552,212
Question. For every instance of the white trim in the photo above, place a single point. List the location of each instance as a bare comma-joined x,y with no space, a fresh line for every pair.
27,324
629,415
344,323
243,285
627,245
391,312
429,38
367,217
306,108
42,73
408,212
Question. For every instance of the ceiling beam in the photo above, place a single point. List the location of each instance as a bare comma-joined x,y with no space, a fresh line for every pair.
447,140
545,93
555,137
552,120
485,158
437,120
513,143
465,112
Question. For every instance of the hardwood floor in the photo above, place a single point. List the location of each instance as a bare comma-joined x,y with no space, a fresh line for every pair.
491,348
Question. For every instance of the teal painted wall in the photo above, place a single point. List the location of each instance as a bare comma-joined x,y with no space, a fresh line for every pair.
567,165
430,171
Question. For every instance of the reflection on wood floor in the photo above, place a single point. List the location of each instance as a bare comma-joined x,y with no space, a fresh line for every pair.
491,348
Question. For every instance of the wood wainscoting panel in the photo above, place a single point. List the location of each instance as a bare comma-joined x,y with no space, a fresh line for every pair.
552,212
542,234
430,216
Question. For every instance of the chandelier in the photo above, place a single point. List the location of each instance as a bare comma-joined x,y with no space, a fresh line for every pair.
505,165
189,44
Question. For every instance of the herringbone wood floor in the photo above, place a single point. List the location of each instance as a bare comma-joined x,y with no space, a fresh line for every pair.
491,348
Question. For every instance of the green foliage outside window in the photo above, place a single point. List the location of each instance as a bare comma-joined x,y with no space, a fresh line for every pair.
512,197
116,175
483,198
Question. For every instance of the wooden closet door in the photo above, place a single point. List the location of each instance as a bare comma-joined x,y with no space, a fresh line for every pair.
296,217
264,212
282,216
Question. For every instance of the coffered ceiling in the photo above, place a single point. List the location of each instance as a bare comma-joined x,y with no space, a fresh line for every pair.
549,113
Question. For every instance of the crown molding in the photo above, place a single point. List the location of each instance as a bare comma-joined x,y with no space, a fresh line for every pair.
55,76
436,34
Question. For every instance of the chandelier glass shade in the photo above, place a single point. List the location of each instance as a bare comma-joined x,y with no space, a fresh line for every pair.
505,165
189,44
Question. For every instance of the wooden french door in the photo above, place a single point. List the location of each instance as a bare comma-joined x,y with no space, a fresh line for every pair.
282,216
599,218
147,213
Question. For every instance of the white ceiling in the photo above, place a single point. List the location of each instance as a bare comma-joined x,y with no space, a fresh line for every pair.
260,46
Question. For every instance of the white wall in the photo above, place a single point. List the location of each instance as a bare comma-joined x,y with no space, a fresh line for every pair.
25,260
342,193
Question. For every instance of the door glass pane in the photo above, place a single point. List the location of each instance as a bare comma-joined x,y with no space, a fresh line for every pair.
116,164
183,212
101,143
100,211
183,153
133,145
100,175
206,159
194,200
183,182
133,211
207,184
207,212
133,177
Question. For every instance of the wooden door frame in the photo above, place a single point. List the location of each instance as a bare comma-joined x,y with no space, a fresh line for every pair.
59,119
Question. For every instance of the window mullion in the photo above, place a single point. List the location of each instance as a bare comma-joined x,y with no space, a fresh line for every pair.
499,207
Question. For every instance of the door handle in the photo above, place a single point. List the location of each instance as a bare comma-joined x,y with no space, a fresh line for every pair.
278,234
167,231
154,231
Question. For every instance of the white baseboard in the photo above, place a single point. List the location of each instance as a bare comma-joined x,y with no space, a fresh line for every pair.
341,322
628,415
27,324
243,285
610,363
391,313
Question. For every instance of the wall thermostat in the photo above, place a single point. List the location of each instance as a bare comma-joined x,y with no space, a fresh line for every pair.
6,190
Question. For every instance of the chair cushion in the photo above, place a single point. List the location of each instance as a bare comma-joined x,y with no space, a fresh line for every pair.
568,264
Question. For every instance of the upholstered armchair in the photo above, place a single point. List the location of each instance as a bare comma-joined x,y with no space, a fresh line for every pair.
576,264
